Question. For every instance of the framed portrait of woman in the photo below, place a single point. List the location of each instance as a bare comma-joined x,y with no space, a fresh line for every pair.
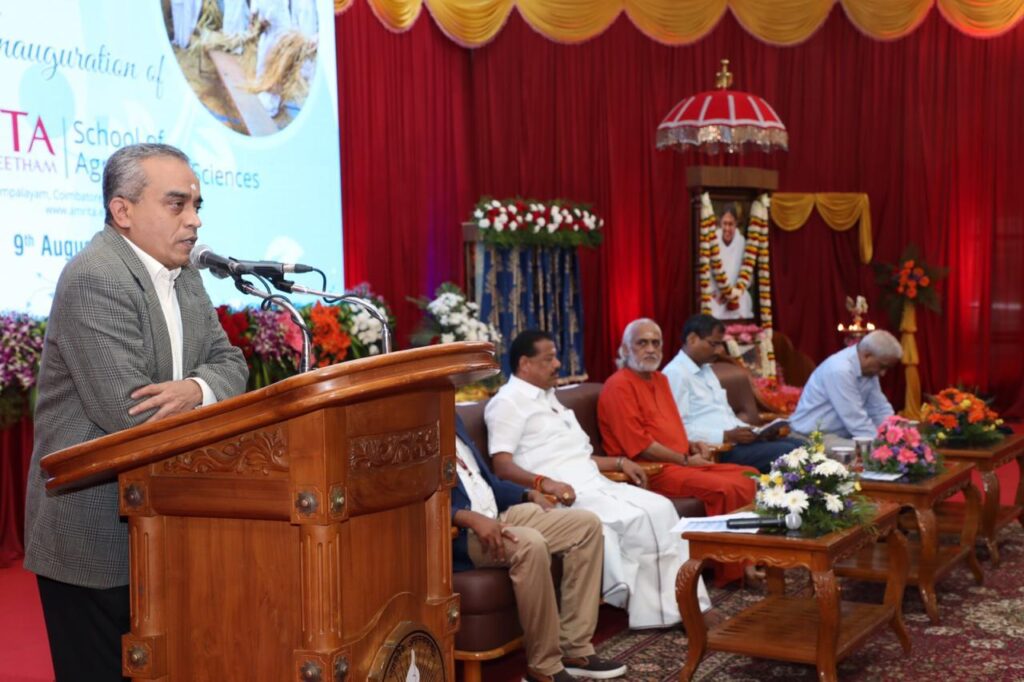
732,191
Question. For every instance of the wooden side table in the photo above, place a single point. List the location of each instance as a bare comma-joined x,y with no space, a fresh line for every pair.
987,460
820,629
928,561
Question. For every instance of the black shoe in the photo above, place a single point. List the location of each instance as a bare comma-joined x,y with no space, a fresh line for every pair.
560,676
593,667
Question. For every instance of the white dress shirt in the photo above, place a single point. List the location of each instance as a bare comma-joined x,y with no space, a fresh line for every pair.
839,400
163,282
478,490
541,434
703,403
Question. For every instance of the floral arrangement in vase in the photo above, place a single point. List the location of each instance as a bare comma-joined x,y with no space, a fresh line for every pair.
958,418
450,317
272,342
822,491
752,345
527,222
911,280
899,447
21,348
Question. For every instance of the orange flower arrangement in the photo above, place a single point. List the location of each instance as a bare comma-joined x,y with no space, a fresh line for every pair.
911,277
331,342
909,280
956,417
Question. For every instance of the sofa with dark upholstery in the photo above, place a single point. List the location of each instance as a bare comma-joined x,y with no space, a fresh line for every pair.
490,624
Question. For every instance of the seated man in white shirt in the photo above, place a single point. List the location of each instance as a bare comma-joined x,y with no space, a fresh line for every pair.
535,441
703,403
504,524
843,398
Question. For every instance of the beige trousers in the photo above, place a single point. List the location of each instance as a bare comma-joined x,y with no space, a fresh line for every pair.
576,535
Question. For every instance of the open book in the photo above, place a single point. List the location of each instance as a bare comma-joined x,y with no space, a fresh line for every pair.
769,430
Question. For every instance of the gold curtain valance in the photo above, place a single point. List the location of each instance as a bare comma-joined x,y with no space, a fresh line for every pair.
839,210
473,23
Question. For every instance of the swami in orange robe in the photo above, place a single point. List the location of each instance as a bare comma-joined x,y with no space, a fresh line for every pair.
634,412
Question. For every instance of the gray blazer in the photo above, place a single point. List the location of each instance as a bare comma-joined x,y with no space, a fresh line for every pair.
107,337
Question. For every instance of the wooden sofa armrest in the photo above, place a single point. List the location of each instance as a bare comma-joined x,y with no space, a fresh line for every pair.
650,468
717,450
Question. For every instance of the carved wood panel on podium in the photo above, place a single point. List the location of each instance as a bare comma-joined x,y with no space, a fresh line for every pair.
299,532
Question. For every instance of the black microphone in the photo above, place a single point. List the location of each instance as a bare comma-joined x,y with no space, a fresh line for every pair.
764,522
202,256
792,521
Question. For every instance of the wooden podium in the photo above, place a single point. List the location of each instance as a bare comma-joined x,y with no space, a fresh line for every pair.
299,532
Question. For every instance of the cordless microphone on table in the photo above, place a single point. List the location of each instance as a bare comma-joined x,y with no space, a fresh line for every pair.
791,521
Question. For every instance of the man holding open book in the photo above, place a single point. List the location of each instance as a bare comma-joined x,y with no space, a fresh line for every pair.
703,404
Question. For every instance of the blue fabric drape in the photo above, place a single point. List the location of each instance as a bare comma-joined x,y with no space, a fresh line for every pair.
535,287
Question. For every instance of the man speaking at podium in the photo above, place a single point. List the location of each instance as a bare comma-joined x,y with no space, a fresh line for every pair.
132,338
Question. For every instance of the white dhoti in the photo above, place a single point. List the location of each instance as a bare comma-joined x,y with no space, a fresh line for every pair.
641,554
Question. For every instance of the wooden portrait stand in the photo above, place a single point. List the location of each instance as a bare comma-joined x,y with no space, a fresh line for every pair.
298,532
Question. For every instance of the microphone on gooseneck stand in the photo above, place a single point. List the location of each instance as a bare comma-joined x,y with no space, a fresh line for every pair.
203,256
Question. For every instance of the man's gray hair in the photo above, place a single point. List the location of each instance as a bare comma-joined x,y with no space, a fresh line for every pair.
123,175
882,344
627,338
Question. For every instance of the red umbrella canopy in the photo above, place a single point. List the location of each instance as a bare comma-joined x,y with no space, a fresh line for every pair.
723,119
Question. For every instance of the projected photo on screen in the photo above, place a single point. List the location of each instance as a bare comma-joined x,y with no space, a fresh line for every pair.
75,87
250,62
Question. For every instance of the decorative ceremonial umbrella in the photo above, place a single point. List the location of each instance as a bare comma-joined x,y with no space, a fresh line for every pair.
723,119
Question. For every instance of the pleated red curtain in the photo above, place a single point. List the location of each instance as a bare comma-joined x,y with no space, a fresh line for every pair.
926,125
15,454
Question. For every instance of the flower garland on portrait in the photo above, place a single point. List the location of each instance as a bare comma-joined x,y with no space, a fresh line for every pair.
756,253
955,417
21,348
899,447
527,222
822,491
710,268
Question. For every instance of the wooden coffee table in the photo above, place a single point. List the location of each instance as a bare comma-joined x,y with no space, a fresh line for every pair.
987,459
820,630
928,561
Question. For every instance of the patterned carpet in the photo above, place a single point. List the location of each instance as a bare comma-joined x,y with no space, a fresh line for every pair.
981,636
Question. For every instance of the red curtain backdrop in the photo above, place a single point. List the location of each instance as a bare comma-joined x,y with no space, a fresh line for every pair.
927,126
15,454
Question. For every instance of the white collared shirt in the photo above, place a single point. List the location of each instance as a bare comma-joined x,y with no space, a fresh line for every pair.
542,435
163,282
478,490
702,402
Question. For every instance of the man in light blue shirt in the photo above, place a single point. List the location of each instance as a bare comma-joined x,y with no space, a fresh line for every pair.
843,398
704,406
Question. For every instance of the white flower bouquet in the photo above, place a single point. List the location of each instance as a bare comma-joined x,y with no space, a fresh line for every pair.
450,317
823,492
